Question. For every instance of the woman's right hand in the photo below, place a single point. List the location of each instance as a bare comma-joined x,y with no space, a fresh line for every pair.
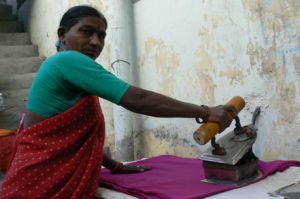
222,114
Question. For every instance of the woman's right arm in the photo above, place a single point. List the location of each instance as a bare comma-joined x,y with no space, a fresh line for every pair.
154,104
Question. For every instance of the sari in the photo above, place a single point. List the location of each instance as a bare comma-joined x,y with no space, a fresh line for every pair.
59,157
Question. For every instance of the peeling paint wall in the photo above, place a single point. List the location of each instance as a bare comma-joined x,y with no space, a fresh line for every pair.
205,52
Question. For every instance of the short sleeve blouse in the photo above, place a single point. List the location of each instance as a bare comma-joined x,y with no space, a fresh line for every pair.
65,77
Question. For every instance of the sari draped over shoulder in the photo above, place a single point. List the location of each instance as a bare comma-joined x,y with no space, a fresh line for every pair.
59,157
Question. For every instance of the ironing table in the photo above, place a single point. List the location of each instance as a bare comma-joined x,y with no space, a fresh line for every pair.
259,190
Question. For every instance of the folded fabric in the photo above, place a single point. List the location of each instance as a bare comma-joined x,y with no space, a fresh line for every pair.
175,177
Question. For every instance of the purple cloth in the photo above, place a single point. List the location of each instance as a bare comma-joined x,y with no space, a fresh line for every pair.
175,177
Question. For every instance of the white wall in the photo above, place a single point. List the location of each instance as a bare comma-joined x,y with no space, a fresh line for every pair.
204,52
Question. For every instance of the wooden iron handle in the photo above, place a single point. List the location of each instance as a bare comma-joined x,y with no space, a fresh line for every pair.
208,130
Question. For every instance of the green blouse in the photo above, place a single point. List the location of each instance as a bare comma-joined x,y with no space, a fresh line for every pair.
65,77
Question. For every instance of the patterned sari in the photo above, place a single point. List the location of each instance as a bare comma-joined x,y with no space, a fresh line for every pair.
59,157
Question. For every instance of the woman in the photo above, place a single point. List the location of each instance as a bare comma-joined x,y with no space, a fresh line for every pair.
60,141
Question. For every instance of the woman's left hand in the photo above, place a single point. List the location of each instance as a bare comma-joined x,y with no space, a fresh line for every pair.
125,169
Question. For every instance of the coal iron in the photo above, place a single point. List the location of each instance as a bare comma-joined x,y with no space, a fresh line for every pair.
231,161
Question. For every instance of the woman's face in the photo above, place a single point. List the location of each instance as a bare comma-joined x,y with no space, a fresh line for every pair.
87,36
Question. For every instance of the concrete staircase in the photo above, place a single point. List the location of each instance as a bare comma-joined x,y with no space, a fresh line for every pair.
19,61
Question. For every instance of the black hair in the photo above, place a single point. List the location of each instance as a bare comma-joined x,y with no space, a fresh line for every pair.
74,14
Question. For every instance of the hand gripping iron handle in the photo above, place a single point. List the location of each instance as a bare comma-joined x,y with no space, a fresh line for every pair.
208,130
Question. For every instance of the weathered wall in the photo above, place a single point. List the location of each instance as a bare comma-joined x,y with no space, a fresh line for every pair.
205,52
208,51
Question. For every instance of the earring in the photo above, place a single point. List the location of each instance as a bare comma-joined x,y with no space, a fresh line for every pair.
57,45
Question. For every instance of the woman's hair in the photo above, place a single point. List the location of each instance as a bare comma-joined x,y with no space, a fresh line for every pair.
74,14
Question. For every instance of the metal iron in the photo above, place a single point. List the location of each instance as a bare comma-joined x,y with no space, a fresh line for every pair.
230,160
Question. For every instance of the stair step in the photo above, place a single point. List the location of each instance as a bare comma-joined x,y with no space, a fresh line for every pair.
19,61
10,118
8,17
15,38
16,93
15,102
10,26
15,99
18,51
20,65
5,9
16,81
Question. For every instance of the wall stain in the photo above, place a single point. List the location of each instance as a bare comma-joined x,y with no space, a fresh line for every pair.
269,60
163,60
285,102
252,5
291,8
296,63
274,8
233,74
216,20
97,4
204,66
205,70
266,58
164,140
254,52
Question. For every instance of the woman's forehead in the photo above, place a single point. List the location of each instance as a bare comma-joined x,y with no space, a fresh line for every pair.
96,22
